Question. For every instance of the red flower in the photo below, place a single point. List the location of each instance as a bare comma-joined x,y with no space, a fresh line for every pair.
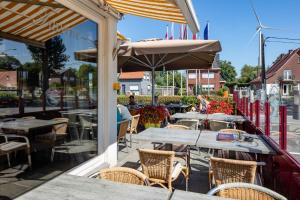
219,107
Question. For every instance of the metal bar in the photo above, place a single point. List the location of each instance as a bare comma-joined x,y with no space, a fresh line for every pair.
141,62
153,85
257,112
251,111
22,39
247,106
283,127
267,118
38,3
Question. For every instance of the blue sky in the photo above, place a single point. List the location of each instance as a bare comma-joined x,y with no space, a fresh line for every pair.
233,23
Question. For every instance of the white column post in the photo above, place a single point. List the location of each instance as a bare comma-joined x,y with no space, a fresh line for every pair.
107,97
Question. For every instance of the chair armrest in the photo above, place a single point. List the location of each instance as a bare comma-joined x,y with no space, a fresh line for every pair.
9,136
4,136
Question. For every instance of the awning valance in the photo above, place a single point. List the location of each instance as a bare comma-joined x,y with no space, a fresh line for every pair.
179,11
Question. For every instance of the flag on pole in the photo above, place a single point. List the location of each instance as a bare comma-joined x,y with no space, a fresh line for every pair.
180,32
167,33
172,31
185,32
195,36
206,32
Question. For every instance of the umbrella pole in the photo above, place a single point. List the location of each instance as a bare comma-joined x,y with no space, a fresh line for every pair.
153,85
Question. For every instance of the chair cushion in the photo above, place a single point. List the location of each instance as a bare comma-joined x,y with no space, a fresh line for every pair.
177,168
12,146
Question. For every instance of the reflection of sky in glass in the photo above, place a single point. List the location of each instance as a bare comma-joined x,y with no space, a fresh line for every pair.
78,38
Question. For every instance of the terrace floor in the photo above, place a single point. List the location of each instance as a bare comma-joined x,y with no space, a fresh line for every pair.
18,179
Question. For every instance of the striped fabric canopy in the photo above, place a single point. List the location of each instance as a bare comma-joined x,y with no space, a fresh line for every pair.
35,21
166,10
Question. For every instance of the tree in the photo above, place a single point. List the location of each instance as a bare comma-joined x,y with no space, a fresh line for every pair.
56,57
248,73
9,62
83,73
55,53
161,79
228,72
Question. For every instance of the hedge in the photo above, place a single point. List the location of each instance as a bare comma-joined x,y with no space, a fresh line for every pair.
146,100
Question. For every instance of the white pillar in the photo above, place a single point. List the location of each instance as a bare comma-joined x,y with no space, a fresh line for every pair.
173,93
107,97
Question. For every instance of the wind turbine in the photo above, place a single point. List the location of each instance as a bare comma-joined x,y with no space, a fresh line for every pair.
261,62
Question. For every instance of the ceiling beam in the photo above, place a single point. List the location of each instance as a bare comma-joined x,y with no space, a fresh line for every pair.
21,39
38,3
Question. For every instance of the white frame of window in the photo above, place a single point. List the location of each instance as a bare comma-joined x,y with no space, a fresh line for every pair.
107,75
210,75
287,74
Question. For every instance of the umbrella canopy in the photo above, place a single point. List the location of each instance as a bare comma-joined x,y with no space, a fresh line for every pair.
167,55
159,55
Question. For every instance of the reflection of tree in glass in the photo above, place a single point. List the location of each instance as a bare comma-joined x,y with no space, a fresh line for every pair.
8,63
56,57
32,80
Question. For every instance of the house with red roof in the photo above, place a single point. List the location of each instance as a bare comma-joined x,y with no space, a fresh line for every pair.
8,80
136,83
284,73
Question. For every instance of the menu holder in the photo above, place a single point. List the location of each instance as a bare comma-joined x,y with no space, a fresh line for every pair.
227,137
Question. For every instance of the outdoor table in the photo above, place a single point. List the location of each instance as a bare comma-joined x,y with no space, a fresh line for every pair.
199,116
179,195
69,187
80,111
207,139
25,125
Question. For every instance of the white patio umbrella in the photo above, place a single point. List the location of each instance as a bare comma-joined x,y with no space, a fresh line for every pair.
159,55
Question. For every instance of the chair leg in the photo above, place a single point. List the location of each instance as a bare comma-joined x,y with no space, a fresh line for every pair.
130,137
81,135
8,159
29,158
52,154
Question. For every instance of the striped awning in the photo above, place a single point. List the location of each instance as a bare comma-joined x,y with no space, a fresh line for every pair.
35,21
166,10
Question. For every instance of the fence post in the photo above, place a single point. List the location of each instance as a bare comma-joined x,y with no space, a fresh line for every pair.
251,111
257,112
282,127
267,118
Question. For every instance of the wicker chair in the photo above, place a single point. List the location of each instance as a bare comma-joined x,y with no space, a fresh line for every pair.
216,125
8,146
160,168
124,175
191,123
60,129
229,171
245,191
181,151
122,132
133,126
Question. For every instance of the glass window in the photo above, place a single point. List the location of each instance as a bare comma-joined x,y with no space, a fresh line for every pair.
192,75
208,75
58,90
287,74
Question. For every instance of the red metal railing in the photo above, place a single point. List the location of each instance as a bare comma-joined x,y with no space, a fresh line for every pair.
282,171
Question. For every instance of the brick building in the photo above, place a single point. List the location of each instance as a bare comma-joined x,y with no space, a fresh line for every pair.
284,73
207,79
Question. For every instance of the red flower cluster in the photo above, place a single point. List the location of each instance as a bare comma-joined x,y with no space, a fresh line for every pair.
219,107
152,114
